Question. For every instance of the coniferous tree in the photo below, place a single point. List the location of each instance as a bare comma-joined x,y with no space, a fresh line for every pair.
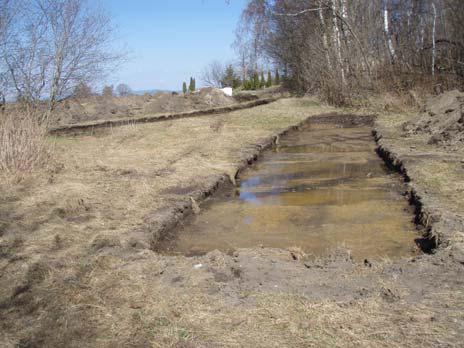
192,85
184,87
269,79
256,82
236,83
229,76
277,77
262,83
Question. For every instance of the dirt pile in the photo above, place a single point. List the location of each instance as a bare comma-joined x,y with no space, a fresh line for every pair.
102,108
441,120
202,99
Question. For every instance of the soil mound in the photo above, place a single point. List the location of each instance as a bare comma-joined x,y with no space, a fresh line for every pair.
203,99
442,119
102,108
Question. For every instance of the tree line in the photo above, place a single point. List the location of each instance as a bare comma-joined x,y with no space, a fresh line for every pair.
219,75
339,48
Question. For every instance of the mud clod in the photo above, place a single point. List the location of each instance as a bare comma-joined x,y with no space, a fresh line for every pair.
237,272
388,295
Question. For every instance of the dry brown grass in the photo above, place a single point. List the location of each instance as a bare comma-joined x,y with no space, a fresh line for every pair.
109,185
165,302
23,144
287,320
97,291
436,169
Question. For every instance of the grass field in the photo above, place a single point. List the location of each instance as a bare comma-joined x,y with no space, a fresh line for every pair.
76,270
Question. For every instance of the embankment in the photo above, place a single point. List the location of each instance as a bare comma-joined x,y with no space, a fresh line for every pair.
94,125
428,172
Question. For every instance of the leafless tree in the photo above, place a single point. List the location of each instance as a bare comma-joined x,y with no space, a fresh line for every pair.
251,35
26,53
6,17
108,91
340,47
82,91
123,90
80,35
213,74
53,46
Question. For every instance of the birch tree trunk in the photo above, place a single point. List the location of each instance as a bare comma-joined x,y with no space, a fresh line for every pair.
434,32
345,34
324,35
55,84
337,40
386,28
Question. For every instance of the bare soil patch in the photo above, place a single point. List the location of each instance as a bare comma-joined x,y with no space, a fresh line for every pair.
441,120
95,108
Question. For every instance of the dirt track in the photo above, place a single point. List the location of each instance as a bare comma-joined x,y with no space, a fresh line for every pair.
77,269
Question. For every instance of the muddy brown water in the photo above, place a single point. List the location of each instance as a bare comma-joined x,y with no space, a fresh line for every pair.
321,188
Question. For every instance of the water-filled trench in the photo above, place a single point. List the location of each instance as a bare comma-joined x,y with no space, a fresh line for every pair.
322,187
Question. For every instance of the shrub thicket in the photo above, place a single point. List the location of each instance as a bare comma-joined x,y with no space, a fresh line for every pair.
23,143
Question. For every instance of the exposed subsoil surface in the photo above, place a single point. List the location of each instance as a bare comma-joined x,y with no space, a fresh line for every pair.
441,120
96,108
77,269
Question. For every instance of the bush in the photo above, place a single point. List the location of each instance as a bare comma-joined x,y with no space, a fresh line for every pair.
108,91
23,146
334,94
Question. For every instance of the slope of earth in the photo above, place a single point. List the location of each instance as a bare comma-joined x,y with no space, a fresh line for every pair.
442,120
77,271
429,149
78,110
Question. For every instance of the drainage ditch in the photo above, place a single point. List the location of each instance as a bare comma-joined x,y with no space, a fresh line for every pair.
321,187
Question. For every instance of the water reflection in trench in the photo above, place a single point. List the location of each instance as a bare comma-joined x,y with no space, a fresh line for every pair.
323,187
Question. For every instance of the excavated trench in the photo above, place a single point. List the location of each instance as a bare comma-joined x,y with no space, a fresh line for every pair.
321,187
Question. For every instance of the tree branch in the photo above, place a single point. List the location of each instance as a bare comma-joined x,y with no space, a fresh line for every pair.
296,14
